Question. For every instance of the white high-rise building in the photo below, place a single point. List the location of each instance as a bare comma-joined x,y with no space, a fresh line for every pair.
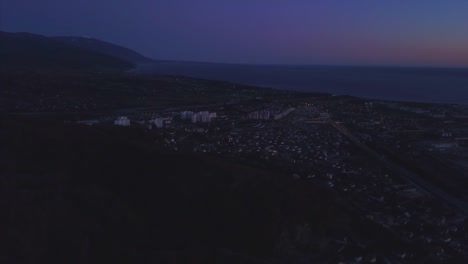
253,115
122,121
194,118
202,116
158,122
264,115
186,115
205,116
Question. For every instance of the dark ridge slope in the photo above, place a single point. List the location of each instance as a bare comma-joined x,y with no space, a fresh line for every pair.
31,52
105,48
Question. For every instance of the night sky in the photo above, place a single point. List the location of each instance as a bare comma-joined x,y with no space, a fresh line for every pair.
430,32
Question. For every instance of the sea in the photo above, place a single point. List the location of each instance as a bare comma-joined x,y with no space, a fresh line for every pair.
413,84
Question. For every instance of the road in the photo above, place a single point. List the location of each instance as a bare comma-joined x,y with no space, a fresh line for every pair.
410,176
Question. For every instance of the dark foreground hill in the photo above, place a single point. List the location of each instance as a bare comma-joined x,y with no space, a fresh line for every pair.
105,48
31,52
73,194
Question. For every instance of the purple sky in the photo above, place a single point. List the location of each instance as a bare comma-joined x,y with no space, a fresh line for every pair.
431,32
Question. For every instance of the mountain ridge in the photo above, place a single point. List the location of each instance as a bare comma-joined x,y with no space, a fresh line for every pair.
23,51
105,47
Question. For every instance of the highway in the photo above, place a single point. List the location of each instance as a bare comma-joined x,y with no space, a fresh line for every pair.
410,176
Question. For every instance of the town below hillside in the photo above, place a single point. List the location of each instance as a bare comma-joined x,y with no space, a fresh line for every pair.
135,168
